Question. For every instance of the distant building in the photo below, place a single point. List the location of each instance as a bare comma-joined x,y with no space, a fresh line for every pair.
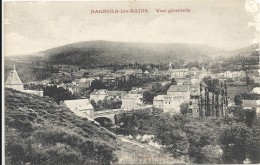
179,73
13,81
228,74
90,80
234,74
83,80
97,95
256,90
194,70
131,101
81,107
108,79
252,104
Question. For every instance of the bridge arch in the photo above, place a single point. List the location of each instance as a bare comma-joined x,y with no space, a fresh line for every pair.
104,121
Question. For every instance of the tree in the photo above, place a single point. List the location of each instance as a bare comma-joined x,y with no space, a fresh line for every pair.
58,94
169,134
184,108
148,96
238,99
211,154
236,141
97,84
173,81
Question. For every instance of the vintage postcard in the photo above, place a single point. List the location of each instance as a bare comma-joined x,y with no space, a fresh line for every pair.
131,82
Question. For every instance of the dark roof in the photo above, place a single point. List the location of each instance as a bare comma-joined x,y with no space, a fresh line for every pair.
187,82
83,86
178,88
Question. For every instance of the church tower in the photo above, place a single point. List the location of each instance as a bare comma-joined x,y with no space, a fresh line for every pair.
13,81
170,66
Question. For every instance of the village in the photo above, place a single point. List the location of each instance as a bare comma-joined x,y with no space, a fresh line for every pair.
182,90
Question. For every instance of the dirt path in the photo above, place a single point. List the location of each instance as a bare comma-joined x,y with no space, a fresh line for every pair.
133,152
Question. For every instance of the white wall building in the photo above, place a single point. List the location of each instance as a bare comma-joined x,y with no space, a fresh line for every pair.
81,107
176,95
131,101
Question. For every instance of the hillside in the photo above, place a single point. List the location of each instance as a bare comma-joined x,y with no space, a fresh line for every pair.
246,51
96,53
38,131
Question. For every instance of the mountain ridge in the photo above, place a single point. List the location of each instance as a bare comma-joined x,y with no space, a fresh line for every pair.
106,52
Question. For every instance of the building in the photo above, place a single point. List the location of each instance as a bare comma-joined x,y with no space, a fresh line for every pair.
256,90
238,74
179,73
228,74
81,107
97,95
108,79
158,101
181,91
234,74
176,95
131,101
33,92
13,81
116,94
168,103
194,71
252,104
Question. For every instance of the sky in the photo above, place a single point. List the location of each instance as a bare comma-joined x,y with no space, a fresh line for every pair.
31,27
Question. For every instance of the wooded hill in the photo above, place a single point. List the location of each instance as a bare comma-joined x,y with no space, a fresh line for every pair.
97,53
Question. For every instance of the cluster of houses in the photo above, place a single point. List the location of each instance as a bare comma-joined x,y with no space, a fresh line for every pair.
187,90
193,73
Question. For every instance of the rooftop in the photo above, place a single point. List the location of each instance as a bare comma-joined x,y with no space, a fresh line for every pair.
178,88
13,78
194,69
79,104
180,70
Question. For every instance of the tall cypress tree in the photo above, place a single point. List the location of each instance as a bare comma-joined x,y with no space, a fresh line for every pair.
217,105
213,113
200,102
222,99
205,101
225,87
208,104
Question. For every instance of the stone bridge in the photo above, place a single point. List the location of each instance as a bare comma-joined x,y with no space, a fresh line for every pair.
107,117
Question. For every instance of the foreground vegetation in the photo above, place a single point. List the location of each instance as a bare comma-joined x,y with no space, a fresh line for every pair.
38,131
199,140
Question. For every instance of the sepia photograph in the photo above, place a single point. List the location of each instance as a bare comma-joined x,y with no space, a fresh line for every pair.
130,82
